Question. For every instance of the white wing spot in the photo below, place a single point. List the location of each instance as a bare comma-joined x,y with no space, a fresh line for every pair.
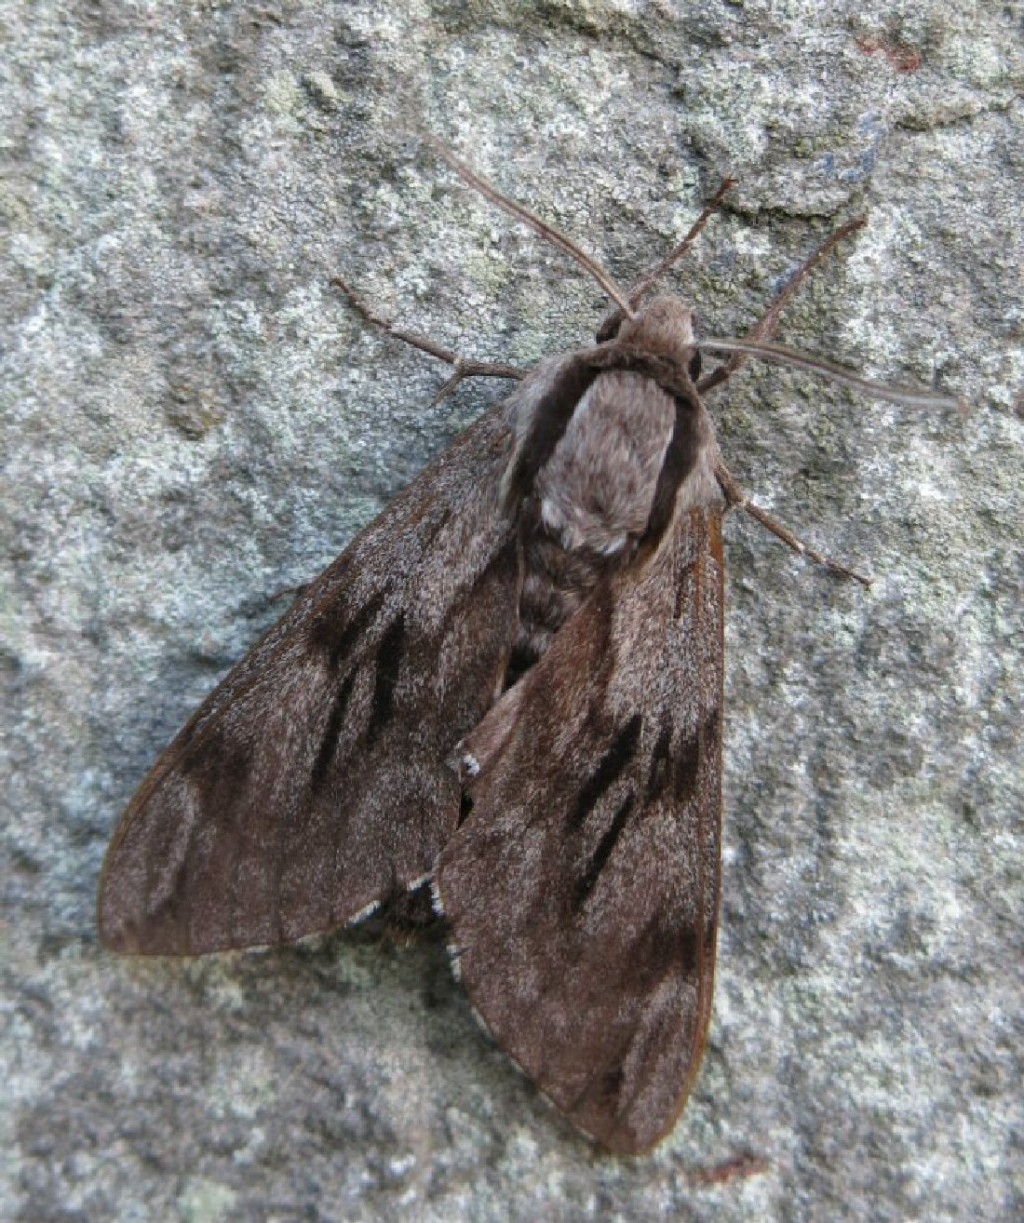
435,897
364,913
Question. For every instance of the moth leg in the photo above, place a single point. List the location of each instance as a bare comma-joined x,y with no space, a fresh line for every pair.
740,1167
463,367
764,329
737,499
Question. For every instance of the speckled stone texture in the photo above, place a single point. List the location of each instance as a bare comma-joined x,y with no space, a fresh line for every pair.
195,423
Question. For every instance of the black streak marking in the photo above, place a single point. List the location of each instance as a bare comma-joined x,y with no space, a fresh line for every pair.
609,1087
660,772
615,759
663,948
218,765
329,746
585,885
686,947
682,590
389,662
337,644
686,765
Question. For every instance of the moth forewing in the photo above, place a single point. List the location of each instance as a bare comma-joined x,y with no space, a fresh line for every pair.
569,537
583,890
311,785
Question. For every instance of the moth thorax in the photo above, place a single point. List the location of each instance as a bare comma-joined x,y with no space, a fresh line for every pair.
597,490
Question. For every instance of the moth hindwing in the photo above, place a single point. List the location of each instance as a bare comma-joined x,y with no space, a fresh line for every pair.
512,682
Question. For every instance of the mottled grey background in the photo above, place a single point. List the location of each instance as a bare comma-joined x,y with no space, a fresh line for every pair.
194,424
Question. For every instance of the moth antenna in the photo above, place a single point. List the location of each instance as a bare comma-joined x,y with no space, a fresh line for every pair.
781,355
651,278
764,329
610,325
548,232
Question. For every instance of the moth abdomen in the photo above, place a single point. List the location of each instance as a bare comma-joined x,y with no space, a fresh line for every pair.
556,582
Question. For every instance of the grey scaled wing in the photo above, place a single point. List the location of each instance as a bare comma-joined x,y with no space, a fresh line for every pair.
583,888
312,785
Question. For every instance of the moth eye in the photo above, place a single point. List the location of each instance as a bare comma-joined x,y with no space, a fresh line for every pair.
609,328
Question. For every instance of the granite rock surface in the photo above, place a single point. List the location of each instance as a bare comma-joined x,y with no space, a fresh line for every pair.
195,423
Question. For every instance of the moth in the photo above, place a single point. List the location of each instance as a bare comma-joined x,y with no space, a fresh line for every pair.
509,687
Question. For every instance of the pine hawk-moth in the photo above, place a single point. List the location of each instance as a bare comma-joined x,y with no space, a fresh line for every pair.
508,687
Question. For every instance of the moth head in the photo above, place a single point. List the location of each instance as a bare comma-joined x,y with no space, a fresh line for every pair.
663,327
